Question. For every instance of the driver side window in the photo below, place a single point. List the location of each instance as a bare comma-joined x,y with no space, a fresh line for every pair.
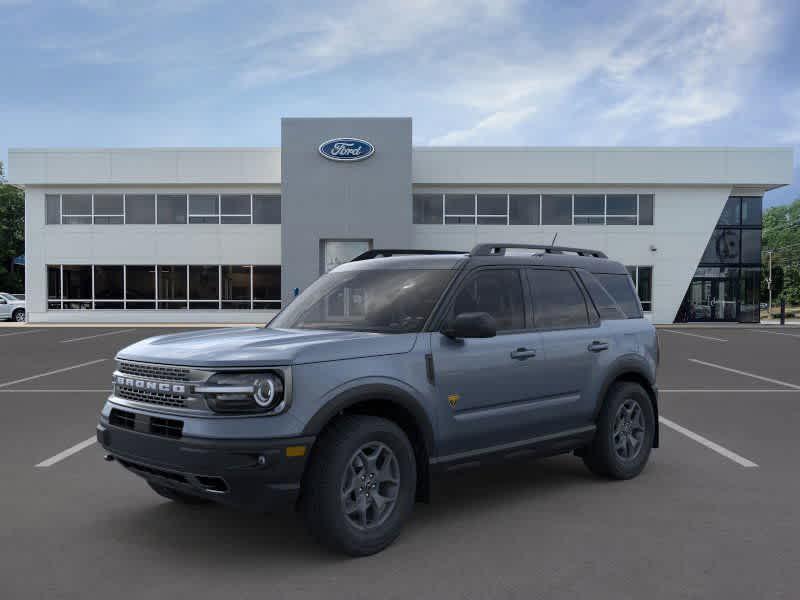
494,291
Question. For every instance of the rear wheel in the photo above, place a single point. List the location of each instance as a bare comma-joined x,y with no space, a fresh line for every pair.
176,495
360,486
625,430
19,315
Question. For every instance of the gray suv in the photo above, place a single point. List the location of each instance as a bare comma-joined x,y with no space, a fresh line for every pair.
386,371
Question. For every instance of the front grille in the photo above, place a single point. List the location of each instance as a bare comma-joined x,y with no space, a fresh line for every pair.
151,397
165,373
166,427
122,418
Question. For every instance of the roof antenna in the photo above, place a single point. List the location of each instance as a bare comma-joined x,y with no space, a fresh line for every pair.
553,243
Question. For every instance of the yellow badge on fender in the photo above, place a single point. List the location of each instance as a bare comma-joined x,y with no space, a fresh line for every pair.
452,399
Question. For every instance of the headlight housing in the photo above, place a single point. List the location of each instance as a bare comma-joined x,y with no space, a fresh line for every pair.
245,393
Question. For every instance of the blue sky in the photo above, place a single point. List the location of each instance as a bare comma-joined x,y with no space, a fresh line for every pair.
90,73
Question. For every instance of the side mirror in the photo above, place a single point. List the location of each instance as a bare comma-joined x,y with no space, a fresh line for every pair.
471,325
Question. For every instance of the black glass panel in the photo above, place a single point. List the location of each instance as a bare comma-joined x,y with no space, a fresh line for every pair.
140,282
266,209
77,282
172,282
236,284
723,247
751,211
751,246
557,209
750,295
730,214
492,204
108,282
203,282
523,209
646,208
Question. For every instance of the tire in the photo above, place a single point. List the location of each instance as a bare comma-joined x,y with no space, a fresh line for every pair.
341,509
627,415
18,315
175,495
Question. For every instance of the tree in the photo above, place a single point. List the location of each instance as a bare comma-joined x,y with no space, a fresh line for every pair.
781,235
12,235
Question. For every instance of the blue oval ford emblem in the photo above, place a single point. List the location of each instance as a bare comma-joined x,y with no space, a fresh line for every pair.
346,149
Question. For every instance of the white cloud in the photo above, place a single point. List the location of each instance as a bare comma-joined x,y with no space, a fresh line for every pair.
501,121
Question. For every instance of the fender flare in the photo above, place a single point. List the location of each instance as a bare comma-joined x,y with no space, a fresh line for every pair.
635,365
377,392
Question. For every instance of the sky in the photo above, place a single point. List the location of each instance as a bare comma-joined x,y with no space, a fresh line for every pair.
108,73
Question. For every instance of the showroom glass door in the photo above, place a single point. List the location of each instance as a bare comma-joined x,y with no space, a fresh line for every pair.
712,300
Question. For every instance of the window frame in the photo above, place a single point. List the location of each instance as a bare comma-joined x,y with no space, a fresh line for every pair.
636,285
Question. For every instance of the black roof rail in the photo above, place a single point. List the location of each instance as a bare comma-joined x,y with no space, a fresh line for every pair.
382,252
489,249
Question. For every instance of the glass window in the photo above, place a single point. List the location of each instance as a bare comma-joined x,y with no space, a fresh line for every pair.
140,209
558,302
557,209
751,246
172,286
497,292
606,306
644,287
203,286
266,209
236,287
427,209
621,288
203,208
646,209
53,209
78,283
235,208
171,209
108,282
53,282
589,209
621,209
750,294
492,209
723,247
523,209
751,211
459,209
140,283
108,209
731,212
76,209
385,301
266,286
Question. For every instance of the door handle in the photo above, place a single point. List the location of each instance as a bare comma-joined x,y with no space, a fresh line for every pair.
523,353
598,346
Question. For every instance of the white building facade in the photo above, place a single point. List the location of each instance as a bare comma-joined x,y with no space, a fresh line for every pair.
229,235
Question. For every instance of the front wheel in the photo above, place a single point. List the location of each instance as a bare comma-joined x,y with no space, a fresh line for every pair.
625,432
360,486
19,315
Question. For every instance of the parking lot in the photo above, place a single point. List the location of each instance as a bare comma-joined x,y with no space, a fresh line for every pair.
714,515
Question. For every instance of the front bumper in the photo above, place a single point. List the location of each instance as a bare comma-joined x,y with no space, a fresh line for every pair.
251,474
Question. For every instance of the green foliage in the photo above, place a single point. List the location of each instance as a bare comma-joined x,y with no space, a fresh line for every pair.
781,234
12,235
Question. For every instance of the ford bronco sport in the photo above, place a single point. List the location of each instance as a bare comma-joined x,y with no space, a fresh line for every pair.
388,369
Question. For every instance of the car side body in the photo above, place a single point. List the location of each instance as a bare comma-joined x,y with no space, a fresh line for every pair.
12,308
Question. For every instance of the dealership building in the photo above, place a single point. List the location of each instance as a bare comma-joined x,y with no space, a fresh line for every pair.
232,234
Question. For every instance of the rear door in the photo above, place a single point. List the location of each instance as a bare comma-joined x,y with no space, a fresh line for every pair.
487,388
574,345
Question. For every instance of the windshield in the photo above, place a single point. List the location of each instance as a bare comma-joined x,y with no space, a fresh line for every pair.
384,301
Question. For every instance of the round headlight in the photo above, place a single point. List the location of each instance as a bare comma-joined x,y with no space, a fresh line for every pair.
268,391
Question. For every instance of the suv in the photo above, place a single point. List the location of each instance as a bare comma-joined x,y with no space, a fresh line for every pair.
389,369
12,308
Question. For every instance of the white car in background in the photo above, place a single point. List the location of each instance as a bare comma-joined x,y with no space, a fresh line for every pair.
12,308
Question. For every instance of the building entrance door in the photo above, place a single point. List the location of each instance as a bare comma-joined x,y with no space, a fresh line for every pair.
711,300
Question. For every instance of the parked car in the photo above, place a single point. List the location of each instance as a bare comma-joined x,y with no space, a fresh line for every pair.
12,307
385,372
763,306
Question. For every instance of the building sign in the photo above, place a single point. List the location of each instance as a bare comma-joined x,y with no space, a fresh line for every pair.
346,149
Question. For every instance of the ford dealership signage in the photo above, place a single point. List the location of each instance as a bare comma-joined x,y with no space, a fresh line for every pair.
346,149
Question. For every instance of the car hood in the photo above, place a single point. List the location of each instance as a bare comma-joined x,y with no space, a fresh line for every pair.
258,346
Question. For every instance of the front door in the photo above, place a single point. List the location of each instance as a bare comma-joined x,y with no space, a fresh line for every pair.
711,300
487,389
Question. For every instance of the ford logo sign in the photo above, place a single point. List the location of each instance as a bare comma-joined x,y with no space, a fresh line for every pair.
344,149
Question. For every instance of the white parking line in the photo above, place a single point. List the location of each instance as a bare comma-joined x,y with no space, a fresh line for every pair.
746,374
67,453
794,335
697,335
82,391
24,379
740,460
728,391
90,337
22,332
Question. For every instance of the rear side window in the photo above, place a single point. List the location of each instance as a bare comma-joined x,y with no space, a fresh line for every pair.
558,302
620,286
606,305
